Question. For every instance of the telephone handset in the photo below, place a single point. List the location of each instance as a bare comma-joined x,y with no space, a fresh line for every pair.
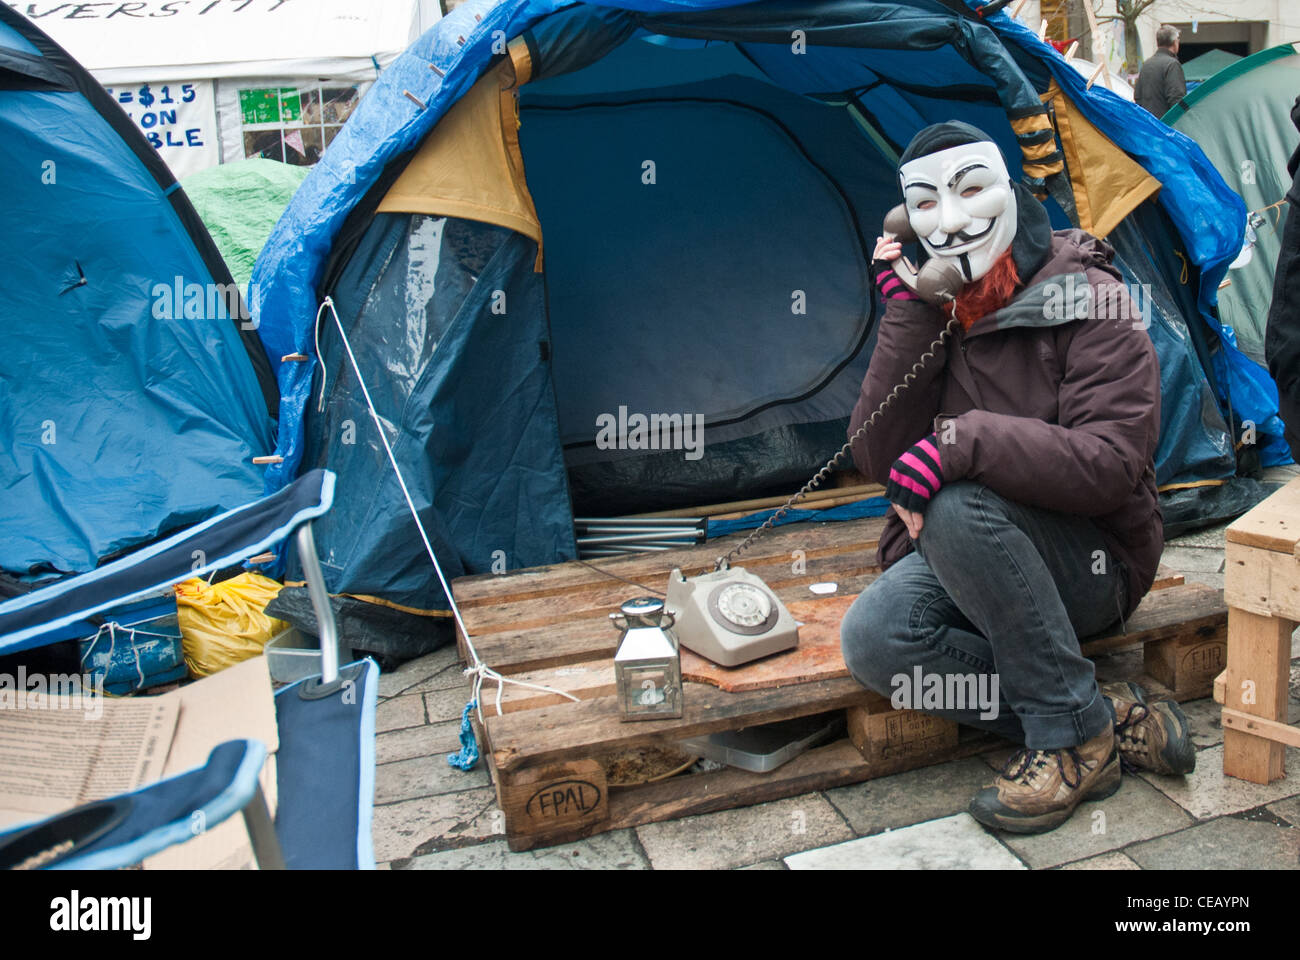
729,615
938,280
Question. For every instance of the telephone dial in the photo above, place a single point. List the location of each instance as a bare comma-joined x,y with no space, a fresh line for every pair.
729,615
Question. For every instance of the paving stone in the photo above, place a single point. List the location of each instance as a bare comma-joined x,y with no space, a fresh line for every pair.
417,670
1186,559
1205,719
764,865
401,830
616,850
1227,843
1206,792
734,838
1288,810
1204,537
430,740
1106,861
449,704
907,798
424,777
453,676
956,842
1282,473
1136,812
399,712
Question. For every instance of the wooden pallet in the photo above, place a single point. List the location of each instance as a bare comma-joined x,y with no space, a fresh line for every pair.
549,625
1262,588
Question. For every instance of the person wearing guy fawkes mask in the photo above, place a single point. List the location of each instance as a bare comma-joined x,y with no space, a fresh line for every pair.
1019,466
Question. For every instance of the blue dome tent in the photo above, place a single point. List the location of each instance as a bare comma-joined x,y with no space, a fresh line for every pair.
135,393
546,216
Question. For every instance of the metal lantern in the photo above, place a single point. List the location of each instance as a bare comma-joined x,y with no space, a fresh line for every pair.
648,665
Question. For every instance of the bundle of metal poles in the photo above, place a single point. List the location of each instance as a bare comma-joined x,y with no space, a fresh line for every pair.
616,536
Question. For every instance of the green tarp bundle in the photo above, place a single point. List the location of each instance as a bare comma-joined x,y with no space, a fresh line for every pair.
239,203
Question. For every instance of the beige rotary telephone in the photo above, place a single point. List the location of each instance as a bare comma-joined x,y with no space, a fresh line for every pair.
729,615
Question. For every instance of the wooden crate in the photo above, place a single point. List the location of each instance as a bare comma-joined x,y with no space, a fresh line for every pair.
549,625
1262,589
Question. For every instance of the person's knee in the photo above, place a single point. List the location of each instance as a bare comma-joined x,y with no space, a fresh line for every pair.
952,515
870,640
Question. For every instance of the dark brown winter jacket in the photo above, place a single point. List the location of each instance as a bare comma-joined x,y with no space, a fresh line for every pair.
1054,401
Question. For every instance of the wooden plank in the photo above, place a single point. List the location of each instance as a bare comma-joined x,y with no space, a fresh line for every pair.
1282,733
1167,577
579,660
593,637
586,681
604,597
1220,685
814,539
1192,610
1272,524
822,768
814,500
1261,581
581,729
1259,660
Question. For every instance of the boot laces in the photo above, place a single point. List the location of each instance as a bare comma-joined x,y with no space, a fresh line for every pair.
1132,736
1026,765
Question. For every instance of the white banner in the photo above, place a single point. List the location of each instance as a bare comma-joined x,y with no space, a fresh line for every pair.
178,117
151,40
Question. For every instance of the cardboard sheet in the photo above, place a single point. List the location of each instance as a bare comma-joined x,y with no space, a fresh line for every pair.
57,753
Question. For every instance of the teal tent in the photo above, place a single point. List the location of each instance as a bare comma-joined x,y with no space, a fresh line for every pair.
1199,69
1241,118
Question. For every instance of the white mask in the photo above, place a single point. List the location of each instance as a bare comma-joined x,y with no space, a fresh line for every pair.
961,205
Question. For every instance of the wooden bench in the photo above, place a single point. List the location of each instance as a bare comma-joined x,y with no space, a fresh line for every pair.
549,625
1262,590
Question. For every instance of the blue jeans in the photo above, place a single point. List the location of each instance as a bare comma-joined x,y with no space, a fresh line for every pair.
995,588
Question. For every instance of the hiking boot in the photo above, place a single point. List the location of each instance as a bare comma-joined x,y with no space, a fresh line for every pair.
1038,789
1151,736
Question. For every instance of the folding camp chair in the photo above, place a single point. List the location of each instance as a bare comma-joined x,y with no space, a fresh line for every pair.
326,723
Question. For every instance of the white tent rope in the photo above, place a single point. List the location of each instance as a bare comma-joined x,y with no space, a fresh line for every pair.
479,670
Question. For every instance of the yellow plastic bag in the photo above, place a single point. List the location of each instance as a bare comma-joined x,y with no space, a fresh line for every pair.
224,623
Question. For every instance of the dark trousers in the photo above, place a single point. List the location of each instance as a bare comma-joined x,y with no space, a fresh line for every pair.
994,588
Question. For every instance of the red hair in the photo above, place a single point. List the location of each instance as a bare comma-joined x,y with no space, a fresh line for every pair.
987,294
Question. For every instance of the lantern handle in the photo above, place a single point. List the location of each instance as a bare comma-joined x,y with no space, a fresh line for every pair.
616,617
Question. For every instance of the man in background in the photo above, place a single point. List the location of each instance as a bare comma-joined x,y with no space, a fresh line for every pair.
1160,82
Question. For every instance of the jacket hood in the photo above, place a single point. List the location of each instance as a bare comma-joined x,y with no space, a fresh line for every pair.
1059,291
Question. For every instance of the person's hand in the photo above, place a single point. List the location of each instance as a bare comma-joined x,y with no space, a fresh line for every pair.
882,262
887,249
913,521
914,479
